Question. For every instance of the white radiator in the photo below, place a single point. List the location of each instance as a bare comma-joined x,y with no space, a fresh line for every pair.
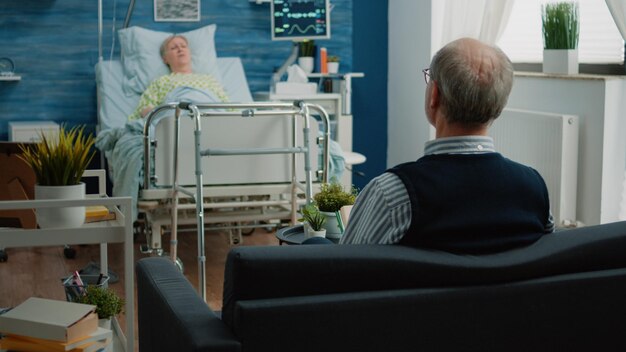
549,143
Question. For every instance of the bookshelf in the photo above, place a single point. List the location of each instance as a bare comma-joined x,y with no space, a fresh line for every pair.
119,230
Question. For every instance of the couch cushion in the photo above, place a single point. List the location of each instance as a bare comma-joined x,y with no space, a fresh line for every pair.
286,271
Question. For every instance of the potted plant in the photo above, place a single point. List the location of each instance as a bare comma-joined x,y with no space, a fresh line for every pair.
314,221
58,165
560,24
333,64
306,52
107,303
329,201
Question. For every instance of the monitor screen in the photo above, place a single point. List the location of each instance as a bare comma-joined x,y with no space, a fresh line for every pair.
298,20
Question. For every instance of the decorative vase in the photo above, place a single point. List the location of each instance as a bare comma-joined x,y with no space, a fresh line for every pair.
306,63
560,61
333,231
333,67
306,228
60,216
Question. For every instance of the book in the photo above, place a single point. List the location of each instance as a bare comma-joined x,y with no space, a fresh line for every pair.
98,213
17,344
50,319
101,334
95,346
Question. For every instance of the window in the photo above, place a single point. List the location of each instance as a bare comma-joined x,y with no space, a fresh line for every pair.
600,42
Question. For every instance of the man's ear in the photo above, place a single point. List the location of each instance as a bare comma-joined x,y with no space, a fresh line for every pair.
433,101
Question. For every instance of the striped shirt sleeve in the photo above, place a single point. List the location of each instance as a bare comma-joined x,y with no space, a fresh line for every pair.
381,213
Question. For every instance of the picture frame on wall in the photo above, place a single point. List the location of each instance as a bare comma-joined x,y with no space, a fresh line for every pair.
177,10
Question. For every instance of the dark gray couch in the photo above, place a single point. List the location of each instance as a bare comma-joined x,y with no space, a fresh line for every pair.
566,292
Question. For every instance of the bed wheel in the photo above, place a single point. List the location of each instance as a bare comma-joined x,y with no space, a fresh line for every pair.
179,265
69,252
3,256
234,236
139,228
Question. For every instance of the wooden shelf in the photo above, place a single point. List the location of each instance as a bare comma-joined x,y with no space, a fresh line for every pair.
119,230
10,78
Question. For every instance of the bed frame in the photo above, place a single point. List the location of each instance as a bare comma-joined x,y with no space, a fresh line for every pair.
241,191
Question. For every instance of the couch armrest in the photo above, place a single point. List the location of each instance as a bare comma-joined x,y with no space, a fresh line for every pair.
171,315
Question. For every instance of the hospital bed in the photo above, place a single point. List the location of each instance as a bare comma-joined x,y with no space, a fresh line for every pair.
250,187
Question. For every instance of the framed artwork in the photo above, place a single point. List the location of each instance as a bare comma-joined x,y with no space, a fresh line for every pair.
176,10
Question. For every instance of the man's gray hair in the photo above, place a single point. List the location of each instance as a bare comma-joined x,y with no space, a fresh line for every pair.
469,96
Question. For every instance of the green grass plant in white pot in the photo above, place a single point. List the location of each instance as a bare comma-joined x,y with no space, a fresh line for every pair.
560,25
331,197
314,221
333,64
59,165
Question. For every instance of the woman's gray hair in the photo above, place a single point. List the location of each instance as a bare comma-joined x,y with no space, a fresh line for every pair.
163,48
469,96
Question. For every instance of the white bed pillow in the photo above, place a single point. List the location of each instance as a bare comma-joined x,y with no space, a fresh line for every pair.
142,61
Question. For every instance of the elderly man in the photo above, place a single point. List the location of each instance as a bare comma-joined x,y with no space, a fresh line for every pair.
461,196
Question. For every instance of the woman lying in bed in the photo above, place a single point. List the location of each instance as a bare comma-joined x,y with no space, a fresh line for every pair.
176,55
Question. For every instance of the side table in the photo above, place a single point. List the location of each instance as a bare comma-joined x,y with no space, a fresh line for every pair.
294,235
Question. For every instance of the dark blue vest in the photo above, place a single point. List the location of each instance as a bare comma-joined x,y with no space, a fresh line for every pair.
473,203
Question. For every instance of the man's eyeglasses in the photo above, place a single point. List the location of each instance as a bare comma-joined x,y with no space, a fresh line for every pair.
427,76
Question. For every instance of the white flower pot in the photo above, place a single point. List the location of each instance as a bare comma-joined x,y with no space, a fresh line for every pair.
306,63
60,217
106,324
320,233
333,67
560,61
333,231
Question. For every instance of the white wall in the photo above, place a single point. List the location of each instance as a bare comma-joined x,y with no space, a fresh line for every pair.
601,104
409,53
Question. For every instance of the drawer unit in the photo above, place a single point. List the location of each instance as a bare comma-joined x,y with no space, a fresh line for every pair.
30,131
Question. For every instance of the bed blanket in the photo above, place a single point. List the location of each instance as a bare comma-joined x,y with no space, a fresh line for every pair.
123,147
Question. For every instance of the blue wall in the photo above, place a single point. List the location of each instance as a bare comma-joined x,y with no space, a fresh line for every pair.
54,45
370,47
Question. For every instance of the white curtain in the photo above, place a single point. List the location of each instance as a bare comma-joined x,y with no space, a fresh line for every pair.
618,11
481,19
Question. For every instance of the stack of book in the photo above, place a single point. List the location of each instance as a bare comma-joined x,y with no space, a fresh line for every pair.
39,325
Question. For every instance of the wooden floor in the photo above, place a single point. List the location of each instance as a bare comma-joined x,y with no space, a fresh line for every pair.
38,271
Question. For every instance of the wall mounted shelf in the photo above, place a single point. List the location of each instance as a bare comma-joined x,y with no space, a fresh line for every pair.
10,78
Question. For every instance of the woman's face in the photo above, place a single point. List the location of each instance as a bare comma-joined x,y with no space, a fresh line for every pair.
177,54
